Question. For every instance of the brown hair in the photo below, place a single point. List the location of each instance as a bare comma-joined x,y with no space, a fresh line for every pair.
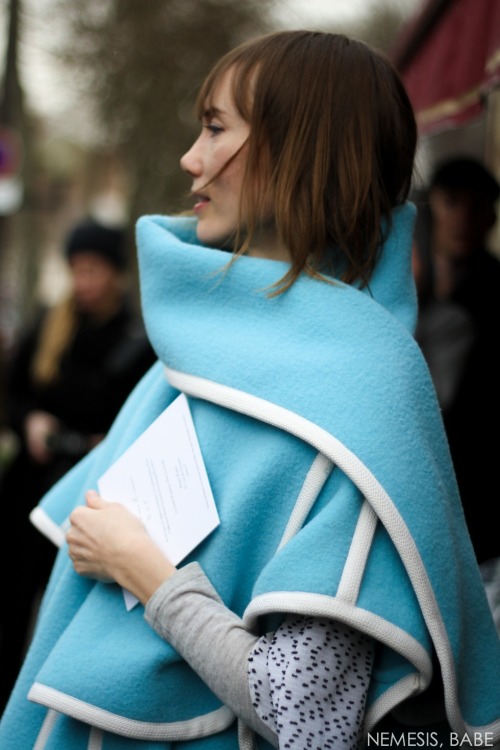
334,134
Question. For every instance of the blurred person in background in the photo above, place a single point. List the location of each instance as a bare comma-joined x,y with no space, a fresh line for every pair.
458,280
71,372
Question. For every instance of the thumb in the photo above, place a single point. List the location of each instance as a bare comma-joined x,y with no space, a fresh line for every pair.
93,499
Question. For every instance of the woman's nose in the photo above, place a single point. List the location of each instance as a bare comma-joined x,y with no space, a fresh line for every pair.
191,162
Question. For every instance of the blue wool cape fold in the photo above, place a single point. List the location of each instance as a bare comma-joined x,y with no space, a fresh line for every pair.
326,453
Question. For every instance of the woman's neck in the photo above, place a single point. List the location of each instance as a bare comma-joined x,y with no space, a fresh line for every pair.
266,244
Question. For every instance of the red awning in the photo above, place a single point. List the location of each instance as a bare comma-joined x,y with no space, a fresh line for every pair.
449,58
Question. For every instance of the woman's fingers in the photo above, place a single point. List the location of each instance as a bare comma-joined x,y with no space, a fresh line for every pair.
101,536
94,500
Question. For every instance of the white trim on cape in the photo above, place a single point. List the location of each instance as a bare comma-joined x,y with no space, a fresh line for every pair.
386,511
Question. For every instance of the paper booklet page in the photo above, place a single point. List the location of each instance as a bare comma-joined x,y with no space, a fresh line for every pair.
162,479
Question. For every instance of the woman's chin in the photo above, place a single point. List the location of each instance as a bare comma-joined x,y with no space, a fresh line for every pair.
218,242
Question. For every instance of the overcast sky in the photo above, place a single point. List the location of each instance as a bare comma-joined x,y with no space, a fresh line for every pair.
322,12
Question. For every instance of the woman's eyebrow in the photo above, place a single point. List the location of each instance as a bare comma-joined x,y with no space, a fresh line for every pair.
212,111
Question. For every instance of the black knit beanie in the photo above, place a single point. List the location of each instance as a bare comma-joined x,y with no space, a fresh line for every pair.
106,241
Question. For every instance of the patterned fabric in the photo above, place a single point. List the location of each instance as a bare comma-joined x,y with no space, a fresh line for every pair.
309,683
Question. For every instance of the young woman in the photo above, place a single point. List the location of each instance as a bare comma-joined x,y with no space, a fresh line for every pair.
340,594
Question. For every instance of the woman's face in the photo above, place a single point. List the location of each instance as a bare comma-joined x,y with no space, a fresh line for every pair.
217,198
96,283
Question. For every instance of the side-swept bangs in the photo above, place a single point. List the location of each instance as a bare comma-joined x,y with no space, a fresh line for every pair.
242,67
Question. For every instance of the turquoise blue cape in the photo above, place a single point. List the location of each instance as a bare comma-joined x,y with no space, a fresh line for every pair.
326,454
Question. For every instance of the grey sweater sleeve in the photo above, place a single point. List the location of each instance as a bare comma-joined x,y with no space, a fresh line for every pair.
187,612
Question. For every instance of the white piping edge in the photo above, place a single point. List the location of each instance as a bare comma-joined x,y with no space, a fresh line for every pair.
45,730
357,557
390,699
47,527
321,605
246,737
351,465
191,729
95,739
316,477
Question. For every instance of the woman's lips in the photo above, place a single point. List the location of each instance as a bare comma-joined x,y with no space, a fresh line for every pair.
201,202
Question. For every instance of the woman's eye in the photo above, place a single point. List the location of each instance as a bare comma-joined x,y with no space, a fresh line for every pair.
214,129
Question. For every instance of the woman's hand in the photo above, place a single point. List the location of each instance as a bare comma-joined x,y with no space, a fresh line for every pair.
109,543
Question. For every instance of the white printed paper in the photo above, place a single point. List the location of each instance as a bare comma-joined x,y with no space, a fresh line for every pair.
162,479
